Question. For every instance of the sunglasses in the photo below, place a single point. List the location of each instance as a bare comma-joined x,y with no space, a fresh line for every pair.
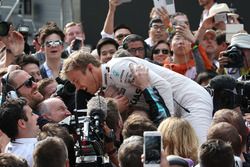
28,83
121,36
157,51
53,43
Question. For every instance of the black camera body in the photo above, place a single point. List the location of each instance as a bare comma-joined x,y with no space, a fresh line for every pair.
4,28
90,147
243,89
77,44
236,57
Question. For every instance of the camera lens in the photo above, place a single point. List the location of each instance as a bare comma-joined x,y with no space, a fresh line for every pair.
4,28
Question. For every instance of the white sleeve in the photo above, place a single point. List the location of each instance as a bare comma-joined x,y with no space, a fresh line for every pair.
164,89
106,35
121,75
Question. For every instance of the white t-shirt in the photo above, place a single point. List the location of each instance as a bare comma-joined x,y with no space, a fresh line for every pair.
22,147
170,84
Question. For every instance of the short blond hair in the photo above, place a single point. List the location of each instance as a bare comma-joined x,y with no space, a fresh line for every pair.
71,24
179,138
78,60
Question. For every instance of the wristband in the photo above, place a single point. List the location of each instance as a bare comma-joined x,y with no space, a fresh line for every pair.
195,45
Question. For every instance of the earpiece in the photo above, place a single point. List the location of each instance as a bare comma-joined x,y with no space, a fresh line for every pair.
7,89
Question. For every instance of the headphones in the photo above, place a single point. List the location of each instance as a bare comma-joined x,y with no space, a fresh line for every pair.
133,38
8,91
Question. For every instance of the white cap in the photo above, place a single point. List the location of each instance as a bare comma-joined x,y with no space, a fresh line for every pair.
242,40
210,31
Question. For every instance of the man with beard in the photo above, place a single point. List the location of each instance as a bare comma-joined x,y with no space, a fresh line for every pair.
135,45
25,86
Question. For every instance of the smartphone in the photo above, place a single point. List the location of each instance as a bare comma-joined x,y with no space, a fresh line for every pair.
220,17
124,1
169,5
232,29
152,148
77,44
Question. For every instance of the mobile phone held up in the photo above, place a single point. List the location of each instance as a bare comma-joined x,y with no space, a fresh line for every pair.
221,17
152,148
169,5
124,1
77,44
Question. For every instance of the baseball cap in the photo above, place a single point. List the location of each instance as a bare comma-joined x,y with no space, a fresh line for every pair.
242,40
210,31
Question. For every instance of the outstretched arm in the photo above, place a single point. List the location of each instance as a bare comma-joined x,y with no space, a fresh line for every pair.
14,46
108,27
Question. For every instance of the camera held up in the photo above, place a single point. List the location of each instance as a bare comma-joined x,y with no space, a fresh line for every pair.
236,57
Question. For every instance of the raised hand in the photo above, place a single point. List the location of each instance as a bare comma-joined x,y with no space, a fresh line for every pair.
163,14
15,43
184,31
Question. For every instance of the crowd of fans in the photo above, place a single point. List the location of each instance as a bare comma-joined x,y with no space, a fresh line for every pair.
191,86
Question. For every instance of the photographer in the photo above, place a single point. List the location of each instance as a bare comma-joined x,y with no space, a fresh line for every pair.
235,61
74,37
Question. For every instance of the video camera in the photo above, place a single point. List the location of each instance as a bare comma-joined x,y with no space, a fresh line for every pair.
67,92
243,89
230,93
90,146
236,57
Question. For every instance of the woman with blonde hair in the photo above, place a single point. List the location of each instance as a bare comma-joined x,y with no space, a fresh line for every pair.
179,138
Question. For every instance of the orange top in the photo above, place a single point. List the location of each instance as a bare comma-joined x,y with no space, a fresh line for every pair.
182,68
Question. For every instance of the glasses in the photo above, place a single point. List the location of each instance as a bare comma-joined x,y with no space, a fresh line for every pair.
134,50
157,51
180,22
28,83
121,36
158,27
53,43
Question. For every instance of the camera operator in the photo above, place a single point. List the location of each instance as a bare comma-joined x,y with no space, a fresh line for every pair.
229,93
235,61
102,113
11,44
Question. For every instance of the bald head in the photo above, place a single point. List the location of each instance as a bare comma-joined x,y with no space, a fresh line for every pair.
53,109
